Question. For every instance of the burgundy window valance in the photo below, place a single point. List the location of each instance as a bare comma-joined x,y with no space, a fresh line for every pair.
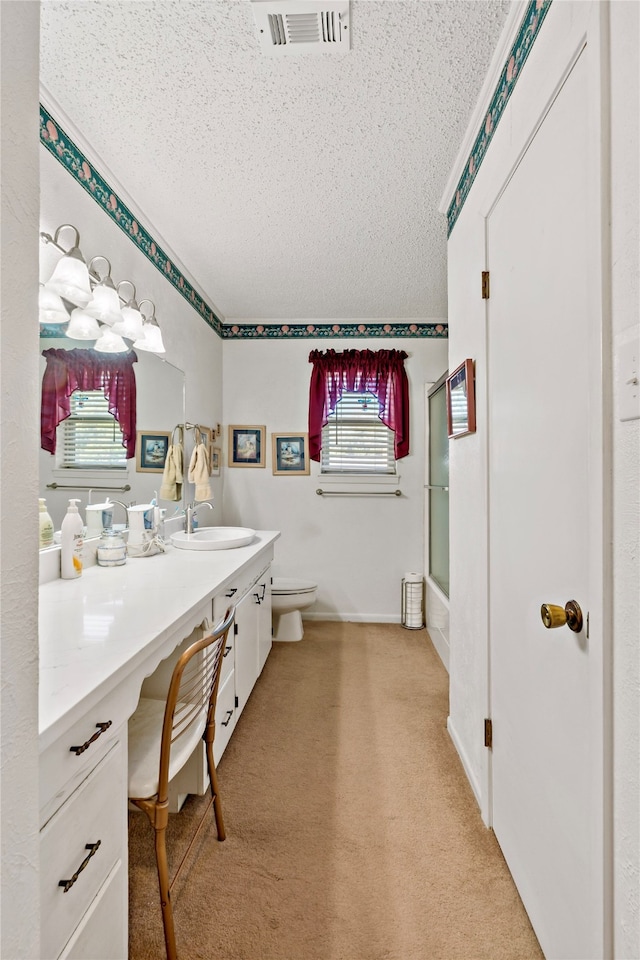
380,372
69,370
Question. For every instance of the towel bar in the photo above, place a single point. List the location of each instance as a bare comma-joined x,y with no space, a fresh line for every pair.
84,486
358,493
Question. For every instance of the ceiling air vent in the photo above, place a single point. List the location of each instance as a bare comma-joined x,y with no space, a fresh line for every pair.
293,27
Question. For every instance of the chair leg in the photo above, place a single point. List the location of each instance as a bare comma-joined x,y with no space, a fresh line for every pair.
165,894
215,793
158,814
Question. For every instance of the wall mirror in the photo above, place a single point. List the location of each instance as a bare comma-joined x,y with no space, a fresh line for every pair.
461,401
160,388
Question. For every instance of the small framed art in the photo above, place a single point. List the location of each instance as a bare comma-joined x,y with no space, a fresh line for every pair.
151,450
290,454
246,446
461,401
215,454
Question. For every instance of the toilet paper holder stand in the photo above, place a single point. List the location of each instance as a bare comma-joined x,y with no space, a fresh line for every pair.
412,602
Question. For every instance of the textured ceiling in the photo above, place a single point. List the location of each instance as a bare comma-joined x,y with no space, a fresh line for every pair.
301,188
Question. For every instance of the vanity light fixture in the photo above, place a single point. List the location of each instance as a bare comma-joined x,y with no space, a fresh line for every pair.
105,302
70,279
152,339
51,309
130,323
92,306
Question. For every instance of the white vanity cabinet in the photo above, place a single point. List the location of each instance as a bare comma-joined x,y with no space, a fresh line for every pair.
251,642
100,637
83,851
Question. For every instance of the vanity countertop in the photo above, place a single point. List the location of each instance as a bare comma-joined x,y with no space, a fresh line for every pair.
95,630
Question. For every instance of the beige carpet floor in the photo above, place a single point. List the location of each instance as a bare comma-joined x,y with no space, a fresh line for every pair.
352,832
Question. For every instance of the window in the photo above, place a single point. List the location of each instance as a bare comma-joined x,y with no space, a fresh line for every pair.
355,440
91,437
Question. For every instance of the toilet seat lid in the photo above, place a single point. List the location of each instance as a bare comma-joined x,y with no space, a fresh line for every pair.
284,585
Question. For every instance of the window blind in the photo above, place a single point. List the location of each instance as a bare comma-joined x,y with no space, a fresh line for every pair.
355,440
91,436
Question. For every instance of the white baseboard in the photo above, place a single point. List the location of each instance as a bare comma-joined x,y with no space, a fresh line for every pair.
475,786
441,643
352,617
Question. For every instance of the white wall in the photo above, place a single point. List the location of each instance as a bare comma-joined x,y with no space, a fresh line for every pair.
356,549
469,699
625,278
20,891
190,344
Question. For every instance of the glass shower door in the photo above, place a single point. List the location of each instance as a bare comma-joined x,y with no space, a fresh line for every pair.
438,486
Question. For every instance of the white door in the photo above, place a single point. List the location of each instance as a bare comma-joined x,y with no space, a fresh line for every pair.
546,521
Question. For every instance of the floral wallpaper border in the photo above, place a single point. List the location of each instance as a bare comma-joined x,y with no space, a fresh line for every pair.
320,331
529,28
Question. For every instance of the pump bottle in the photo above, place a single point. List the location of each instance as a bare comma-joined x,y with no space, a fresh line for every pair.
71,543
46,525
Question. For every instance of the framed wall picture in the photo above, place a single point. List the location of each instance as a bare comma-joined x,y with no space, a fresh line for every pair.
290,454
151,450
246,446
461,401
215,454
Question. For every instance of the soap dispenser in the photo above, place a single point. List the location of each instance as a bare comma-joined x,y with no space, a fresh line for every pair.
71,543
46,525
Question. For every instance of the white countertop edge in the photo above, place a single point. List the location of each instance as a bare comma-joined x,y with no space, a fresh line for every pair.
102,628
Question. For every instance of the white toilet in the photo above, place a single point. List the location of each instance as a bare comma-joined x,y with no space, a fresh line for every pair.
288,598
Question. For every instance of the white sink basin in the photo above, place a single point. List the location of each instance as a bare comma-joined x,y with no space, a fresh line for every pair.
213,538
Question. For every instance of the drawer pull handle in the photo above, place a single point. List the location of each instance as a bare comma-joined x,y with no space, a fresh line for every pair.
231,592
67,884
226,651
85,746
259,598
225,723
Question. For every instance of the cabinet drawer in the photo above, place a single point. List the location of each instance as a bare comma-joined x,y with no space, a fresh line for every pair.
225,716
95,812
63,769
227,663
102,933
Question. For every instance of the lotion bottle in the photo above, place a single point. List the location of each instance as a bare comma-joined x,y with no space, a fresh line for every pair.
46,525
71,543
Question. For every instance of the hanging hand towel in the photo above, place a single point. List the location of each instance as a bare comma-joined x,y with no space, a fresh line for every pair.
199,472
172,478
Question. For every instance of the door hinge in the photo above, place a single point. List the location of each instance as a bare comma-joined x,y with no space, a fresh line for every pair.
485,284
237,702
488,733
235,629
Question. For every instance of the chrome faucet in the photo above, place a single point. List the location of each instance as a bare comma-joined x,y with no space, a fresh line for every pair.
125,507
190,511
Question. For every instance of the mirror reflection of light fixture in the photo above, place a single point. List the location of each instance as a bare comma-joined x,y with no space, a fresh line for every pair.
98,310
70,279
105,302
82,326
51,309
130,323
152,339
110,342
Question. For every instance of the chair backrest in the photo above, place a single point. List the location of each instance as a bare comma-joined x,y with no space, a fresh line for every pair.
191,700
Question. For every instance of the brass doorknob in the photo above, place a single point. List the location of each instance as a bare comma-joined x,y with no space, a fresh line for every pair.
555,616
